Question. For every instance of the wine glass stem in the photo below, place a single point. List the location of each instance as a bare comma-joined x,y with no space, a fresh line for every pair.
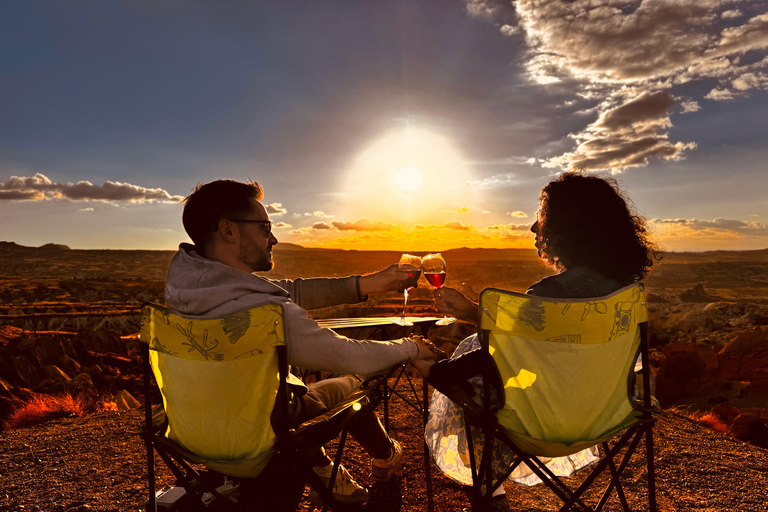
405,292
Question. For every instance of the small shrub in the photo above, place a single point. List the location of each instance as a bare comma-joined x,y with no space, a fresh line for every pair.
45,407
714,422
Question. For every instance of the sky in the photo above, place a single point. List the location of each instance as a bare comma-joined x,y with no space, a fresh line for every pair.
406,125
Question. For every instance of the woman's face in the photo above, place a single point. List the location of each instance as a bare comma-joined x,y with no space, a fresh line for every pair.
535,230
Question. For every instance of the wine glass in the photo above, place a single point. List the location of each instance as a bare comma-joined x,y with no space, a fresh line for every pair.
412,265
434,270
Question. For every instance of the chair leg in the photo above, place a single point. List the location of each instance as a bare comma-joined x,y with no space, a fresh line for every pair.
651,469
625,438
151,505
386,389
476,483
615,478
635,439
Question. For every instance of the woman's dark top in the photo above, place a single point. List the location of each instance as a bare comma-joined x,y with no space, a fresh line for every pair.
576,283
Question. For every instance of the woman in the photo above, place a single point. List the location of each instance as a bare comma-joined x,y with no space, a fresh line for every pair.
584,230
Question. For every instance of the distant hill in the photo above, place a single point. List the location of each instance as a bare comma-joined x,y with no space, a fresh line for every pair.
13,246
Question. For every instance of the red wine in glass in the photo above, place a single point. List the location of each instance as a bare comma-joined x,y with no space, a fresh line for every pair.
436,279
434,269
413,277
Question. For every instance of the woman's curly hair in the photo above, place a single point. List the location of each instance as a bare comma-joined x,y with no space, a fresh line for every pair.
585,221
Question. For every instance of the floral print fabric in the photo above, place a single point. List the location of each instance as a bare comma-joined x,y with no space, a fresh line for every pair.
446,439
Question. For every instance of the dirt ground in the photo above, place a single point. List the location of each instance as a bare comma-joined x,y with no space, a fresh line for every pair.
97,463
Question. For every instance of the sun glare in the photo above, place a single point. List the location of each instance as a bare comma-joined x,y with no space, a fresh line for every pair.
408,179
387,180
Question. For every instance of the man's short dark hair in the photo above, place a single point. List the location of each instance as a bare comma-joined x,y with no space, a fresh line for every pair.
211,202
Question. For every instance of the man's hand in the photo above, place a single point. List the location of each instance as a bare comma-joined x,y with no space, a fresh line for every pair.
429,354
387,280
451,301
427,349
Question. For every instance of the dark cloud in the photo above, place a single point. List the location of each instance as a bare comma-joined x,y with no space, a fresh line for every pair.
39,187
321,225
627,136
629,54
638,115
20,195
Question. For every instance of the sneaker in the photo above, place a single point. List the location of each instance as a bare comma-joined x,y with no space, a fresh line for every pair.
383,469
345,489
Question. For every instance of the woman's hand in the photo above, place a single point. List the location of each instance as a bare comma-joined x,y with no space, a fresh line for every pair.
427,349
451,301
423,366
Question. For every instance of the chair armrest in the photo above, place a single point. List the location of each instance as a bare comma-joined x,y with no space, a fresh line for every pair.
474,411
333,421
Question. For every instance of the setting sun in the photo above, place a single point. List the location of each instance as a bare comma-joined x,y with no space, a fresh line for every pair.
386,180
408,179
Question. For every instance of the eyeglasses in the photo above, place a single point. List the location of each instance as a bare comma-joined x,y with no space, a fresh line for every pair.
266,225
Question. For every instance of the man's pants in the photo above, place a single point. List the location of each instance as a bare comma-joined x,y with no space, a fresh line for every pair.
321,396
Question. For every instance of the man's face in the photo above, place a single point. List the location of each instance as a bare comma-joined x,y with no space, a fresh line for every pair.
255,240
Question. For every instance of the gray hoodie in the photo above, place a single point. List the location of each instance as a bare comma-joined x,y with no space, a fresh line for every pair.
207,288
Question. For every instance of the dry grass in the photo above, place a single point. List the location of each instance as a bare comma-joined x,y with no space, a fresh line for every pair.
714,422
45,407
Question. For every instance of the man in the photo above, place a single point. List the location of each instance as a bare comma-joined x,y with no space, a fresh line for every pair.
232,235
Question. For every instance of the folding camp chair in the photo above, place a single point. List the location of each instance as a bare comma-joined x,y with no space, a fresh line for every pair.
220,379
568,371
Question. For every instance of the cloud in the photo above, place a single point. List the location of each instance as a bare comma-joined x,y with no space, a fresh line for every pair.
626,136
21,195
454,225
511,231
461,210
752,35
363,225
629,55
281,225
276,209
510,227
39,187
729,15
718,94
690,106
457,225
735,225
614,42
519,214
497,11
749,81
86,209
321,225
